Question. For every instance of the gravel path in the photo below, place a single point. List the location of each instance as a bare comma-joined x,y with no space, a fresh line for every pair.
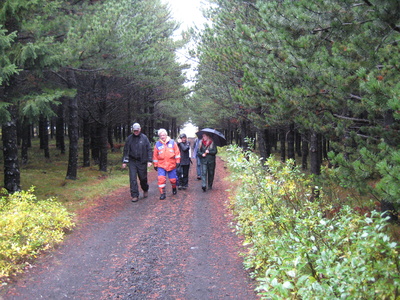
179,248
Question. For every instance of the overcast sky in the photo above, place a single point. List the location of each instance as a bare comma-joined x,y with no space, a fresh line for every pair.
186,11
189,13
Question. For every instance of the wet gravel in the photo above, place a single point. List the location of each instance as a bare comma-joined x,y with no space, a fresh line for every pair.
180,248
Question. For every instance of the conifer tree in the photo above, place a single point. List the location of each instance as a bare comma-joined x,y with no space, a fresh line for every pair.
329,66
27,45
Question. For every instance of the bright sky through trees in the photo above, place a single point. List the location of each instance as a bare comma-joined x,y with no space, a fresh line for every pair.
188,12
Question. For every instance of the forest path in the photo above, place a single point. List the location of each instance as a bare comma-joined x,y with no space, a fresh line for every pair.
179,248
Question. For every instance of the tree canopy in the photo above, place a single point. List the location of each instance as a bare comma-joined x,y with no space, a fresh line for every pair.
327,67
53,51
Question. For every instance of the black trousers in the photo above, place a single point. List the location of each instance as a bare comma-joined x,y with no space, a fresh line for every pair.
183,175
137,169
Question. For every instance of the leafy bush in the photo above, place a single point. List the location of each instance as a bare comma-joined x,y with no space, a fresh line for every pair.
300,246
28,226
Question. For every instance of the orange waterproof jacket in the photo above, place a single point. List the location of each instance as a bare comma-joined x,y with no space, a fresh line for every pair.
166,154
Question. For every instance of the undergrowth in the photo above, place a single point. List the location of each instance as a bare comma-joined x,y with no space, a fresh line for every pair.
28,226
37,218
302,246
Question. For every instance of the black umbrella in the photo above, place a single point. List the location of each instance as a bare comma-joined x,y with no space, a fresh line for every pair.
218,138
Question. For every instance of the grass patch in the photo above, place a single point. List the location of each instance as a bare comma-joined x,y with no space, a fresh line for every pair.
48,177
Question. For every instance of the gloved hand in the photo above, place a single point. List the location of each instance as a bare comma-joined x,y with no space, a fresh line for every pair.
178,165
156,168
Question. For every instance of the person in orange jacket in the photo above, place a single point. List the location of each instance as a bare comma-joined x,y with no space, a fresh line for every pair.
166,158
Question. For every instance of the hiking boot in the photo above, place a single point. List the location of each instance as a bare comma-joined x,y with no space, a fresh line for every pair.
162,196
204,188
145,194
198,178
174,191
135,199
179,187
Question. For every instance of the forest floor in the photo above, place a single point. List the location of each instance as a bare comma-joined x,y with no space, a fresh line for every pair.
183,247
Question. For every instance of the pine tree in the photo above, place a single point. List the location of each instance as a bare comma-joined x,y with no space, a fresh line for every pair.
129,39
329,66
27,45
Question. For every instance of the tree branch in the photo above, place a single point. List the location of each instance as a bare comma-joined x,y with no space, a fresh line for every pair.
86,70
351,119
355,97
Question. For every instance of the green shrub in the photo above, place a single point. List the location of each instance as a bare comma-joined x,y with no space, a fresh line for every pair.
300,246
28,226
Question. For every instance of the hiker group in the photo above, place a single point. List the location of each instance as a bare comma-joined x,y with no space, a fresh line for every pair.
170,159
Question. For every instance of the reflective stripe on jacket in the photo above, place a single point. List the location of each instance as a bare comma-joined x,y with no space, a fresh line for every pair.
166,154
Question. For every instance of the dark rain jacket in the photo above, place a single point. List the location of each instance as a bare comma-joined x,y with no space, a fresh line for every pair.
210,157
185,156
137,148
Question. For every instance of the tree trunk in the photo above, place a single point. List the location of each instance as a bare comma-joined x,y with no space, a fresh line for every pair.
325,148
151,121
60,142
320,149
41,129
314,155
174,128
94,144
282,140
124,133
244,132
262,144
103,147
118,133
298,143
273,138
305,151
237,138
44,136
25,137
86,141
291,142
12,178
102,134
52,122
267,138
73,131
110,138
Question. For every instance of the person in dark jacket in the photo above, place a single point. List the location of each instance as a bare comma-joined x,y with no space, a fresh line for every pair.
207,152
183,170
138,153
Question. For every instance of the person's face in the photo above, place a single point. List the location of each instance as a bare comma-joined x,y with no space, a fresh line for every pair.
163,136
205,137
136,131
184,140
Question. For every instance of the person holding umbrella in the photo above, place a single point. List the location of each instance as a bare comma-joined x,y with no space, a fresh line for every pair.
206,152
